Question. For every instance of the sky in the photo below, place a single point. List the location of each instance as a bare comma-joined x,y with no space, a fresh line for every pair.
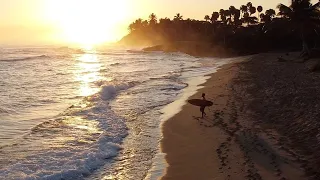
31,22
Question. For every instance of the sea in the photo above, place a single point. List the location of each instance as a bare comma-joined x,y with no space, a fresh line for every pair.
68,114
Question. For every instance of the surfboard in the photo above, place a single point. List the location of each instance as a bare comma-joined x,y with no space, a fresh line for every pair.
200,102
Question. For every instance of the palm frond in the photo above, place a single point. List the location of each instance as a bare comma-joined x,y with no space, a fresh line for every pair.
280,6
316,6
284,10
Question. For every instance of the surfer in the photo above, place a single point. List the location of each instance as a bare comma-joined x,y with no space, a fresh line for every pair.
203,107
202,103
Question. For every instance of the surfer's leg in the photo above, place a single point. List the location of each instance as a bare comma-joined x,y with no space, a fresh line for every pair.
202,111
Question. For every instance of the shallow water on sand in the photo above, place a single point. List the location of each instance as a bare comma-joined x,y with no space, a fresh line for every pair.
74,114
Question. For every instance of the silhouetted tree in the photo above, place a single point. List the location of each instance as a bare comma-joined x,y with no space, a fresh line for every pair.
227,14
271,13
214,17
244,9
138,24
259,9
304,17
223,16
232,9
207,18
178,17
165,22
236,18
152,19
145,23
252,10
232,12
267,16
237,29
249,19
263,18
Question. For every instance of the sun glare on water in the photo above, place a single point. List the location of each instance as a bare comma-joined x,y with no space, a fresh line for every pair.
87,22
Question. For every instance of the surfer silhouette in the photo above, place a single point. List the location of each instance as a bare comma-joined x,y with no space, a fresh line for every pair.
203,106
202,103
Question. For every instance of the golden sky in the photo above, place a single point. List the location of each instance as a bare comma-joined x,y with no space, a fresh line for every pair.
29,22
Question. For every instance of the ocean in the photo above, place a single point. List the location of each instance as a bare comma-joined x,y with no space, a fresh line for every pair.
88,114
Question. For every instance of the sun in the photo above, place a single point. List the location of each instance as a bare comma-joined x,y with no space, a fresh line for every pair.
87,22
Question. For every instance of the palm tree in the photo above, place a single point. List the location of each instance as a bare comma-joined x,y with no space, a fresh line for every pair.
165,22
246,17
232,12
214,17
271,12
223,16
145,23
304,16
267,16
152,19
244,9
249,19
228,15
260,9
247,11
252,10
136,25
263,18
236,18
232,9
207,18
178,17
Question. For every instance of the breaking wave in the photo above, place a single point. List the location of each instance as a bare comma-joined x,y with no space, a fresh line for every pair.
25,58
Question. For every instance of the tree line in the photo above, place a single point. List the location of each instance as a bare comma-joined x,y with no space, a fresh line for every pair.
248,29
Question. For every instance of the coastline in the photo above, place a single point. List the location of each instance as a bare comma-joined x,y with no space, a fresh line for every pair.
159,164
189,154
230,142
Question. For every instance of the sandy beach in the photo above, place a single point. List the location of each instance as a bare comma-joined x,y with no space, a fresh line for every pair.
245,134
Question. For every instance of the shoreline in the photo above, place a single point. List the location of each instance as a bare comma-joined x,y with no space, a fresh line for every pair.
227,143
176,155
160,165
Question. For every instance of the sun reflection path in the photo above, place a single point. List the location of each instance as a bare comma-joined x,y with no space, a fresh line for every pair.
87,73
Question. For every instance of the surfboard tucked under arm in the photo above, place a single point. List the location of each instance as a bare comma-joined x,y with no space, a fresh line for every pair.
200,102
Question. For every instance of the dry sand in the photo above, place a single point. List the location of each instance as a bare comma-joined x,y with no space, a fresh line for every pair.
230,142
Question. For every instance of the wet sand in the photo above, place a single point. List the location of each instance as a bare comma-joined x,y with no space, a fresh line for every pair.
231,142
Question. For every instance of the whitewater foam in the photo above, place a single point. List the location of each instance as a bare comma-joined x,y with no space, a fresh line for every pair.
109,91
73,167
94,100
88,152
